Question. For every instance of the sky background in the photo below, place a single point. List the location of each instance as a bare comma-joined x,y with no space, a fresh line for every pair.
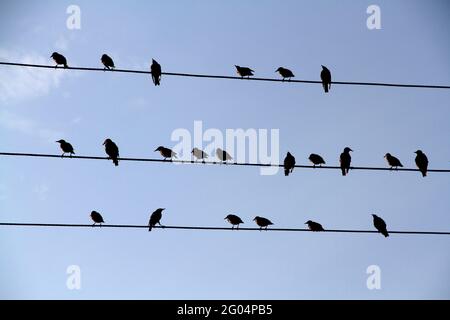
40,106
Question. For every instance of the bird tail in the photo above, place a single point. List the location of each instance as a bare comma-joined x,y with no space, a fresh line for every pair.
343,169
424,173
325,87
385,233
116,162
286,172
150,228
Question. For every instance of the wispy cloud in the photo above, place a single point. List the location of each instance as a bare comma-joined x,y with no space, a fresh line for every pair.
17,84
12,121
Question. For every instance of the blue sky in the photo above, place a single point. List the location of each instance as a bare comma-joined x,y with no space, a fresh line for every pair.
38,107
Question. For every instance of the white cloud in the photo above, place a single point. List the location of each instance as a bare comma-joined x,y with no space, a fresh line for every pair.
20,83
12,121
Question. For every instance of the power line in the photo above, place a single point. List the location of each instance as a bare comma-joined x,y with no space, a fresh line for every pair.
40,155
193,75
133,226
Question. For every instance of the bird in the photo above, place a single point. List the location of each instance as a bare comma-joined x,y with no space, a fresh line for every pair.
345,160
244,71
314,226
285,73
316,159
166,152
65,147
59,59
289,164
199,154
107,62
97,218
155,218
393,161
155,68
223,155
262,222
234,220
325,75
112,151
380,225
422,162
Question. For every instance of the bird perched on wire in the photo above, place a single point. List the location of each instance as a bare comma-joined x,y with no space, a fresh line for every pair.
97,218
325,75
107,62
345,160
289,164
59,59
314,226
155,68
285,73
380,225
65,147
234,220
112,151
223,155
393,161
422,162
262,222
155,218
199,154
244,71
316,159
166,152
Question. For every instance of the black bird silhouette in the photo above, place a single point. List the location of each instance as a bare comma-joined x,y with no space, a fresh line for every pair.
316,159
234,220
422,162
380,225
155,218
325,75
65,147
199,154
97,218
285,73
59,59
112,151
155,68
107,62
345,161
223,155
289,164
166,152
244,71
314,226
262,222
393,161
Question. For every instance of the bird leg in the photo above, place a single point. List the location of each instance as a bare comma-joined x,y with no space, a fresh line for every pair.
62,156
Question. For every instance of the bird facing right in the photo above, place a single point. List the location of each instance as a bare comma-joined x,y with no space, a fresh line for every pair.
65,147
422,162
345,160
155,218
289,164
262,222
234,220
380,225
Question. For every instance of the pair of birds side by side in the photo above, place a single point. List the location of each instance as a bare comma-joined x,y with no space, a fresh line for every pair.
234,220
221,154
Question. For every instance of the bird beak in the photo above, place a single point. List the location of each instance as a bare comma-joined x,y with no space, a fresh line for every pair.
156,149
225,218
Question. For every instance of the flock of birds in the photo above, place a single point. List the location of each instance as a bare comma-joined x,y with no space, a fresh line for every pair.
112,150
235,221
345,158
156,72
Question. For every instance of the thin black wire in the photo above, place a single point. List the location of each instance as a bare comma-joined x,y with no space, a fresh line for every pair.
133,226
193,75
40,155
